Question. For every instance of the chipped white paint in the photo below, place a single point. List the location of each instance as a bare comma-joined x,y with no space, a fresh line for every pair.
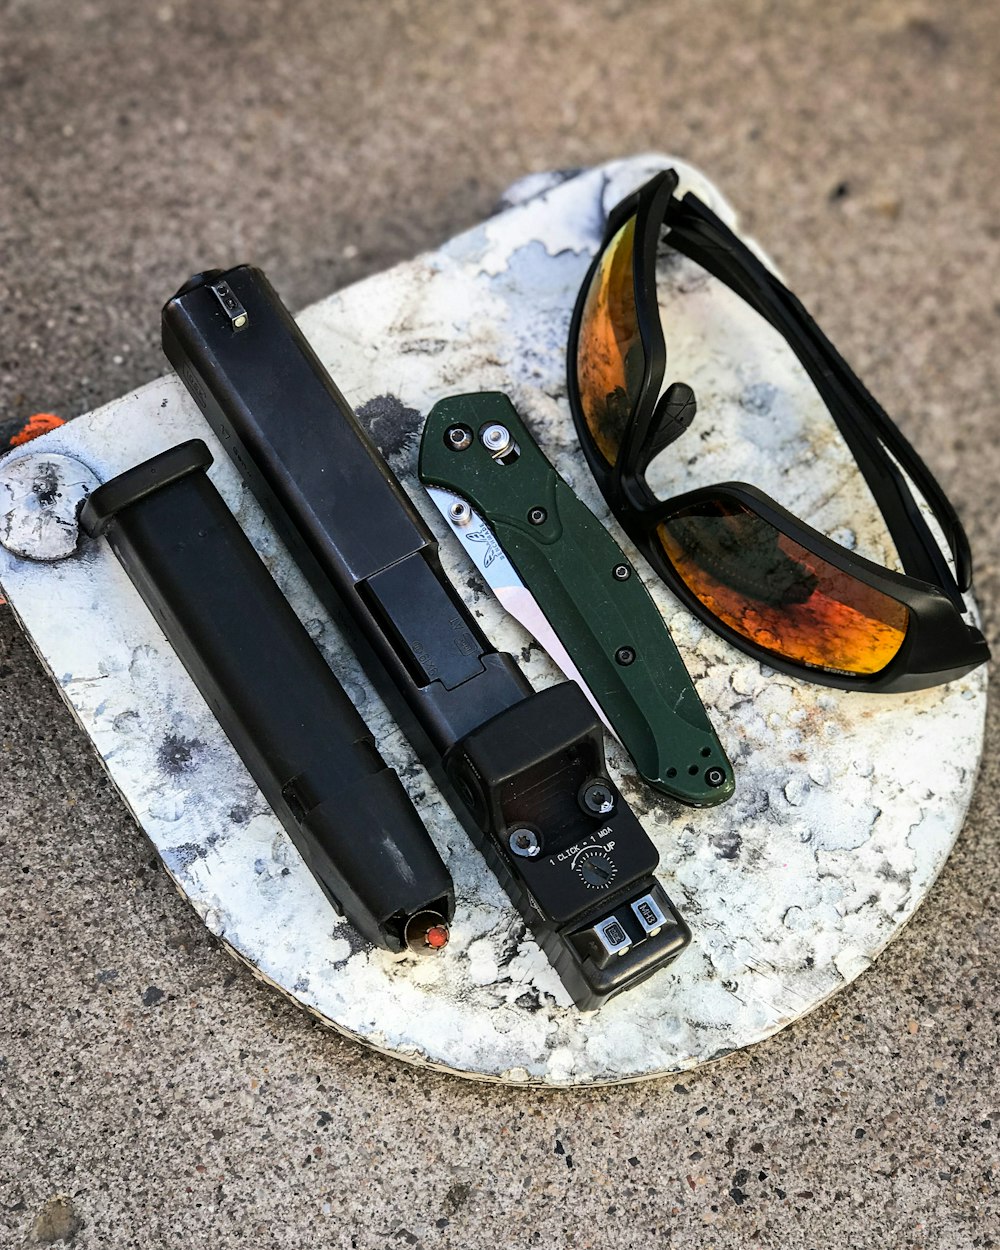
846,806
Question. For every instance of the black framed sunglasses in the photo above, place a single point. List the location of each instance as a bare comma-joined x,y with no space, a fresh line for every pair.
759,576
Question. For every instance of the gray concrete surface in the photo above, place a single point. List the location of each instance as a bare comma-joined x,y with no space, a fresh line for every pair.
147,1079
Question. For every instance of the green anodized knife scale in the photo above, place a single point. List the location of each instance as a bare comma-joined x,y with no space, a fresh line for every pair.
477,457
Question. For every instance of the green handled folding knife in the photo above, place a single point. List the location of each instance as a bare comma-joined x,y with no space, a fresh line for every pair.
558,571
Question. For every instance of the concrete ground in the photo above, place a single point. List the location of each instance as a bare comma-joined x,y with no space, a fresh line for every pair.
144,1075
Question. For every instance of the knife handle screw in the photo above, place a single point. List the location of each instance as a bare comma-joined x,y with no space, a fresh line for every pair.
621,572
625,656
537,516
458,437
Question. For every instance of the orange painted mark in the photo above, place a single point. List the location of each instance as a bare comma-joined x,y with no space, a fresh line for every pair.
40,423
437,936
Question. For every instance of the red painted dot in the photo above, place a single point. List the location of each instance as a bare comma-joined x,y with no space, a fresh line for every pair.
437,936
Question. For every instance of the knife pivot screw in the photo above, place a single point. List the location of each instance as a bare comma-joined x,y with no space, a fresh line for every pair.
496,439
621,572
625,656
598,798
715,776
525,842
537,516
460,512
458,437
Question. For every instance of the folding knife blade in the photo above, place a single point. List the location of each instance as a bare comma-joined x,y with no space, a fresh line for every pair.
476,450
481,546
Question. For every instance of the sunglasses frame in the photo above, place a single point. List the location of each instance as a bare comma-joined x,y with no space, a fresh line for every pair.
938,645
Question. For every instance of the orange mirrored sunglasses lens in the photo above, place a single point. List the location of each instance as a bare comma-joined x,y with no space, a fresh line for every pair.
609,357
779,595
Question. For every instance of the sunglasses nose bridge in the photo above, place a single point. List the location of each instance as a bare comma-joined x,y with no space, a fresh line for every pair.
674,412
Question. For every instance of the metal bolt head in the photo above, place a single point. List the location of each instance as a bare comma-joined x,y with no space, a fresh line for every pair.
537,516
621,572
496,439
625,656
40,496
524,842
458,437
598,798
715,776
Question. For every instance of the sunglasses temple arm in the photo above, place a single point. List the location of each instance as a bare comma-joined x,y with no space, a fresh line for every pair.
698,233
